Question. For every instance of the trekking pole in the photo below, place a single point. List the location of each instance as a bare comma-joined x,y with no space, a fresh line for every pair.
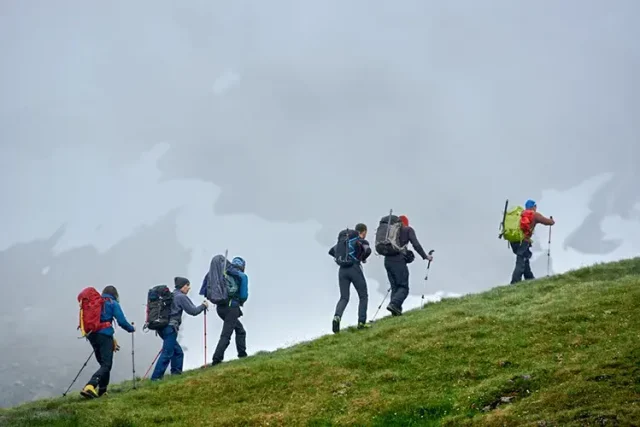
549,252
425,280
380,306
152,363
74,380
205,337
133,357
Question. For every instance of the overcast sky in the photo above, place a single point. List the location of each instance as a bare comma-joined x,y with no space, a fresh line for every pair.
139,139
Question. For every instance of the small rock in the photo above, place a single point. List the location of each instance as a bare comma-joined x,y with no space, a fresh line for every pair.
506,399
486,408
526,377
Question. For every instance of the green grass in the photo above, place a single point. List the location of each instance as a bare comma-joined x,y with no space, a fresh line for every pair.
563,351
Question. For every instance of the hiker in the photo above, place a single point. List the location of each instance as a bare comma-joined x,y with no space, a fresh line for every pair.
104,344
349,253
171,350
396,263
529,218
227,286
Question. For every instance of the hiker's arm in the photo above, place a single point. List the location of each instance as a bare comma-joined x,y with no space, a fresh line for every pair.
332,251
543,219
416,244
122,321
366,250
191,309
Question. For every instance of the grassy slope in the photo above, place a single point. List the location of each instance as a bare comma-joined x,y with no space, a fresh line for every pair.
565,350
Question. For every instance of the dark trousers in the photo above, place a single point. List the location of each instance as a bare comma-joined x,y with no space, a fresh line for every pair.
103,348
398,274
171,353
346,277
522,268
231,319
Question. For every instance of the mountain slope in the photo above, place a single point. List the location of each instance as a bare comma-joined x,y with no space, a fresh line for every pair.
559,351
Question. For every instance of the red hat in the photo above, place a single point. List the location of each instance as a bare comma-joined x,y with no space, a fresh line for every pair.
405,220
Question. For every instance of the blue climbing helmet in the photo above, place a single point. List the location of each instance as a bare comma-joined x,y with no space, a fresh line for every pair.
239,263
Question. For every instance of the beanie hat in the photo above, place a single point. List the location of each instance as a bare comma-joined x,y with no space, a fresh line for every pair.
180,282
405,220
530,204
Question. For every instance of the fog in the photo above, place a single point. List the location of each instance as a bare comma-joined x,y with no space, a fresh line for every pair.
140,139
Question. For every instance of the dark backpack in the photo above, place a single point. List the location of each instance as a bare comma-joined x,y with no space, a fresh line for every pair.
221,283
159,300
345,250
388,236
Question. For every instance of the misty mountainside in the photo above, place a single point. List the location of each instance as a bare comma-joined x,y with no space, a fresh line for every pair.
177,230
132,153
559,351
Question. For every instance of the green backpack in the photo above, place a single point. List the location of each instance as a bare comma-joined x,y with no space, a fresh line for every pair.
232,285
512,232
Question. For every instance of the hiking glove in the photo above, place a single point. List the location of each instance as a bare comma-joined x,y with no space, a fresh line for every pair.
116,346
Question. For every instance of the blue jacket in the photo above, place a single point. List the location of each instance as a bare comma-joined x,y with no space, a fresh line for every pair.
110,311
243,291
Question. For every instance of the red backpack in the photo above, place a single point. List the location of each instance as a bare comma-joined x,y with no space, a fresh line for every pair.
91,304
526,222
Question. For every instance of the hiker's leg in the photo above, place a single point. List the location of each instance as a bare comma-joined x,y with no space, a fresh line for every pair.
402,275
523,255
397,268
360,283
518,270
514,247
230,316
178,359
388,265
101,388
169,338
241,339
528,274
95,378
344,283
104,345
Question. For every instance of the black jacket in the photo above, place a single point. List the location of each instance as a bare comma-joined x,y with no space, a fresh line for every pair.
408,235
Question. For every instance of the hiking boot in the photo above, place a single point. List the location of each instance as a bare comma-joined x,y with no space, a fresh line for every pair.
336,325
89,392
102,392
242,355
363,325
395,311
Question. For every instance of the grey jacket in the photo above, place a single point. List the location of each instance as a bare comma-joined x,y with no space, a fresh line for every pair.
181,302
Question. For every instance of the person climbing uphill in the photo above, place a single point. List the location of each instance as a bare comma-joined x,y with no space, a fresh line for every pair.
171,350
227,285
529,218
349,253
104,344
395,261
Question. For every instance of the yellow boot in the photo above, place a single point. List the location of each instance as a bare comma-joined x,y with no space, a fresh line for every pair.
89,392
